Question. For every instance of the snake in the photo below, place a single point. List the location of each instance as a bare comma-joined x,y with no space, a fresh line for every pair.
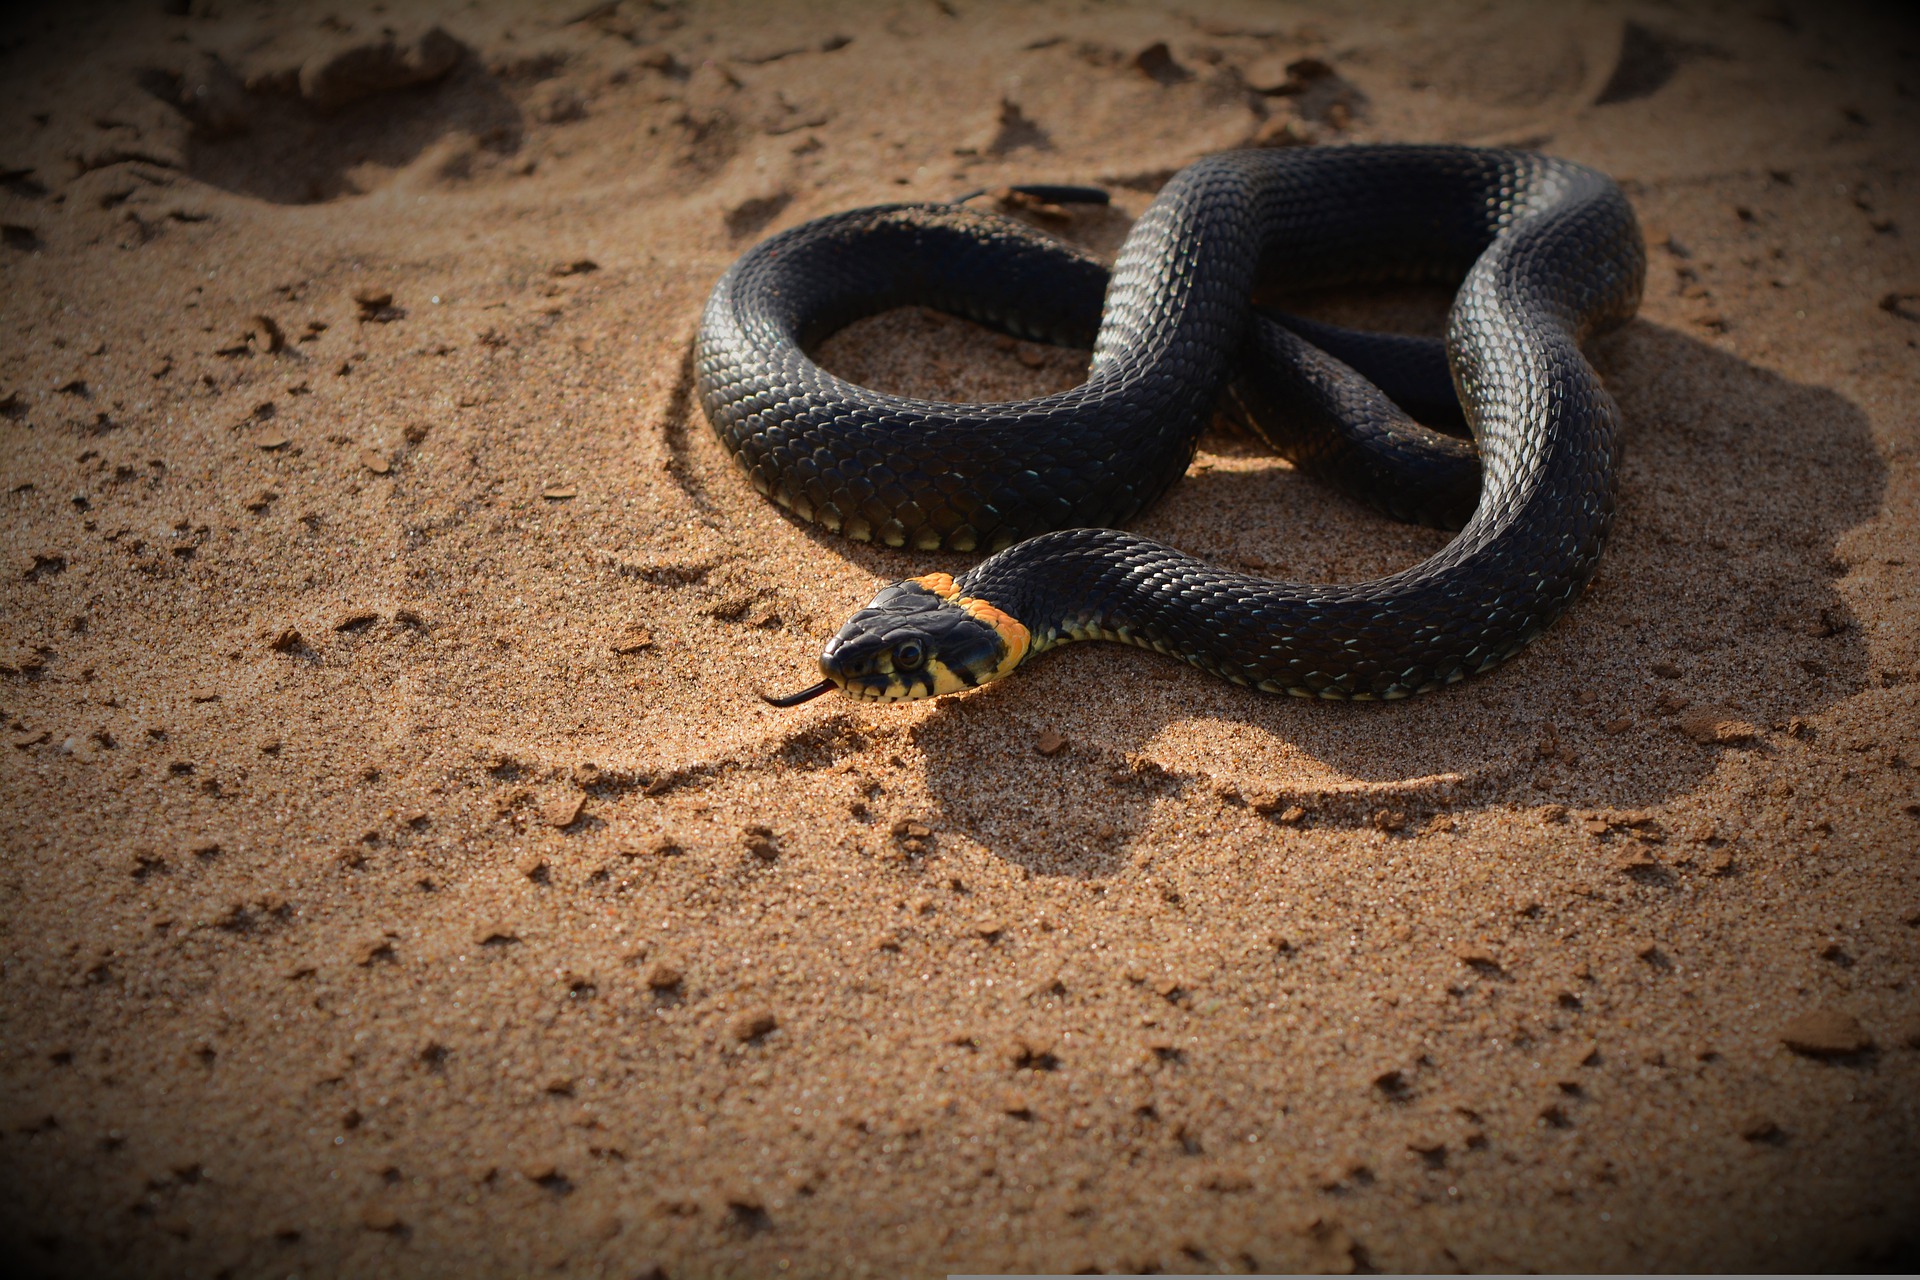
1543,253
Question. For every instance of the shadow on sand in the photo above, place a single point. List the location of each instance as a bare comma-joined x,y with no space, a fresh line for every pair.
1716,592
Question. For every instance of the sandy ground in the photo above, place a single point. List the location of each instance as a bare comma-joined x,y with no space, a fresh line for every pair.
400,876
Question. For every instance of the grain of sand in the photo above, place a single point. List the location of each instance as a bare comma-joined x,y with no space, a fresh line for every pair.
400,876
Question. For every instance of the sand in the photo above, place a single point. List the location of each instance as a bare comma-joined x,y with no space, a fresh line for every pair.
400,876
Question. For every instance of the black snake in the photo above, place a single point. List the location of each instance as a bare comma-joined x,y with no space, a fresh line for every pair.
1546,252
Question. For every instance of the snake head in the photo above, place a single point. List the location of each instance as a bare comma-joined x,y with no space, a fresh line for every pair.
922,638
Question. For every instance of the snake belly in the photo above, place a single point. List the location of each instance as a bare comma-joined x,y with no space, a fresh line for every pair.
1547,253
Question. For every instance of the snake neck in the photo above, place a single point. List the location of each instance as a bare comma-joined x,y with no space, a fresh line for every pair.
1076,584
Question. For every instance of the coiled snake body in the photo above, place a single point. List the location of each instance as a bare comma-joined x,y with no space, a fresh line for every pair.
1547,253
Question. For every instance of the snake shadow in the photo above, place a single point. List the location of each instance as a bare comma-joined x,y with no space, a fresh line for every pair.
1717,594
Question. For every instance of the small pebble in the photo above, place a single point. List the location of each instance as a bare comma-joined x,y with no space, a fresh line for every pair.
373,950
753,1024
634,640
1636,861
562,811
1389,820
1478,957
378,1217
1825,1033
1713,726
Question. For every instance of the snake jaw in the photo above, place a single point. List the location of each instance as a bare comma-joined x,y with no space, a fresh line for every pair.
961,643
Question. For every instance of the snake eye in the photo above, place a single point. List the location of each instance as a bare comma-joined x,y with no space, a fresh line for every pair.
909,655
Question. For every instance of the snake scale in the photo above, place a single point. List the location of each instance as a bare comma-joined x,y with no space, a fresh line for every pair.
1545,253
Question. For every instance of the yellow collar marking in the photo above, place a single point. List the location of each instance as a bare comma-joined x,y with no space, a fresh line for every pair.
941,584
1014,636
